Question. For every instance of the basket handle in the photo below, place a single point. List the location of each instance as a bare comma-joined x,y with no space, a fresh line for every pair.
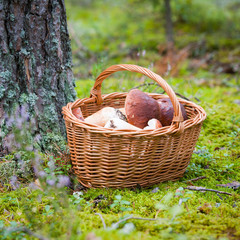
96,90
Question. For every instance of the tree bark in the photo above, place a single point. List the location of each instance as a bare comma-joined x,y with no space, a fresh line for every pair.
168,24
36,60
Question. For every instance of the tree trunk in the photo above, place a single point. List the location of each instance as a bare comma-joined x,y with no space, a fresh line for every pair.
36,60
168,24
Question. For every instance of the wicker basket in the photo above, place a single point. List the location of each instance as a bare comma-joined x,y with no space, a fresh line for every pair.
103,157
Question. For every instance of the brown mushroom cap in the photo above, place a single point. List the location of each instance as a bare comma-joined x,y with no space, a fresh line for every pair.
140,108
167,111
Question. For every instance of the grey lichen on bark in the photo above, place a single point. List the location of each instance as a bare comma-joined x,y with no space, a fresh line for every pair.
36,61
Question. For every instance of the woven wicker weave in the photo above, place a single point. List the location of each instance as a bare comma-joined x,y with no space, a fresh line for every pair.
104,157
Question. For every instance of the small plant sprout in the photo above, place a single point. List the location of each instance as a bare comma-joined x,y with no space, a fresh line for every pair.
77,197
204,154
173,210
48,211
121,204
184,196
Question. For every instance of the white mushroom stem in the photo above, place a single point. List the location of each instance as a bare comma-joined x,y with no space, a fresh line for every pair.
120,124
101,117
153,124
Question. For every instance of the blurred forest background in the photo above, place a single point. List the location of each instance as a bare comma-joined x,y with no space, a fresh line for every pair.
204,36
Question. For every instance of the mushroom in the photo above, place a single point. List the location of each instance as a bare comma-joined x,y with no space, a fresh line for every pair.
123,111
78,113
167,111
102,116
120,124
140,108
153,124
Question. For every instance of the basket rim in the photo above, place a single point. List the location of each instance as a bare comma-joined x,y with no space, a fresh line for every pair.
167,130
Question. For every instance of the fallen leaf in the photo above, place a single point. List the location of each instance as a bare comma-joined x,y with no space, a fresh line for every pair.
205,208
36,185
19,213
92,236
155,190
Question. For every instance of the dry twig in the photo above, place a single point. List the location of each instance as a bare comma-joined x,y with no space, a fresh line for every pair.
115,225
201,189
195,179
103,222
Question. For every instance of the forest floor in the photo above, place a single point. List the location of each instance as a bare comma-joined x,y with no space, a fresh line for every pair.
205,70
164,211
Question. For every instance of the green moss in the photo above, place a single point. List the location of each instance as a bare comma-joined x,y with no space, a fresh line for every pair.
189,223
6,75
50,140
2,90
202,215
25,52
12,17
29,99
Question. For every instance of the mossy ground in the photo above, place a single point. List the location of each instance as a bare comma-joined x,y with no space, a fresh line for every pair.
202,215
112,33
